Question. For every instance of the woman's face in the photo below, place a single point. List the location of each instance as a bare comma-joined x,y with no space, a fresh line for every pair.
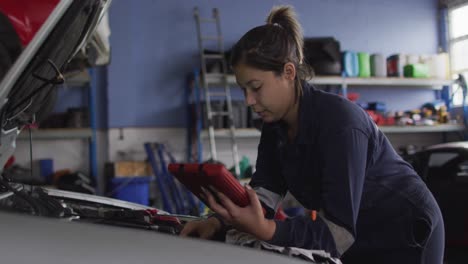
271,96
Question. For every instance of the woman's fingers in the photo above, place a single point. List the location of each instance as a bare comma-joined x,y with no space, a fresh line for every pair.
207,234
214,205
204,229
187,230
230,206
254,201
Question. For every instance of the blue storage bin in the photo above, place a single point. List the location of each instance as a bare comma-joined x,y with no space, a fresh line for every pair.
132,189
46,169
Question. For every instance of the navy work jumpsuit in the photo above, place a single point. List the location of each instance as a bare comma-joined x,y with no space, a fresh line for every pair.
372,205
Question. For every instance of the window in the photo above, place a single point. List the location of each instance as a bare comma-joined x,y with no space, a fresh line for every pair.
458,43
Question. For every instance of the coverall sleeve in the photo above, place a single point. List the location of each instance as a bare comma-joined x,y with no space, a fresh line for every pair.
267,180
344,158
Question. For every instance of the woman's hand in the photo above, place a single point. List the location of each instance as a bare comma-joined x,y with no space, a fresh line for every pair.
248,219
205,229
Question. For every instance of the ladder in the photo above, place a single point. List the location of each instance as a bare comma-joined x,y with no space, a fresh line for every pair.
207,84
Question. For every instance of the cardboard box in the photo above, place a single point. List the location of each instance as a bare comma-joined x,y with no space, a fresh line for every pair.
132,169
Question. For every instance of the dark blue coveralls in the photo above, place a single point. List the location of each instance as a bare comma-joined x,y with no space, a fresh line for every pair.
373,207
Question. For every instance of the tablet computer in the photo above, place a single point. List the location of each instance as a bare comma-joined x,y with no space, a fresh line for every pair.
195,175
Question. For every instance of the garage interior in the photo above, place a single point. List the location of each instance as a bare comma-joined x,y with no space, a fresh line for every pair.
115,127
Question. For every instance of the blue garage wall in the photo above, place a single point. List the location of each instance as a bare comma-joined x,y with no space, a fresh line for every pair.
70,97
154,46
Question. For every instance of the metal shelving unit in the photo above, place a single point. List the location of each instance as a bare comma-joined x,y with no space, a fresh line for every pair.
82,80
435,84
377,82
77,79
344,83
254,133
240,133
57,134
423,129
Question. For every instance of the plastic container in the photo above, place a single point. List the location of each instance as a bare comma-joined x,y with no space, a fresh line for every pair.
438,66
132,189
412,59
364,64
350,64
416,70
378,65
395,64
46,169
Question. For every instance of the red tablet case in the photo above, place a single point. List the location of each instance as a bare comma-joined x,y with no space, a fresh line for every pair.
195,175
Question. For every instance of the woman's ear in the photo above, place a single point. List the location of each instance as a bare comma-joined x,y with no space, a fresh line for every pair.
289,71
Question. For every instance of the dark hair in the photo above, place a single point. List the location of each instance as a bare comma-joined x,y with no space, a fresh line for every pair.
271,46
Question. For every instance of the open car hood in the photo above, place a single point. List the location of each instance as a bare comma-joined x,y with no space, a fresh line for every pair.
79,207
27,91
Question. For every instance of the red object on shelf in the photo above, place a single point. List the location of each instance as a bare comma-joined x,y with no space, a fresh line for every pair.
390,121
378,118
352,96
